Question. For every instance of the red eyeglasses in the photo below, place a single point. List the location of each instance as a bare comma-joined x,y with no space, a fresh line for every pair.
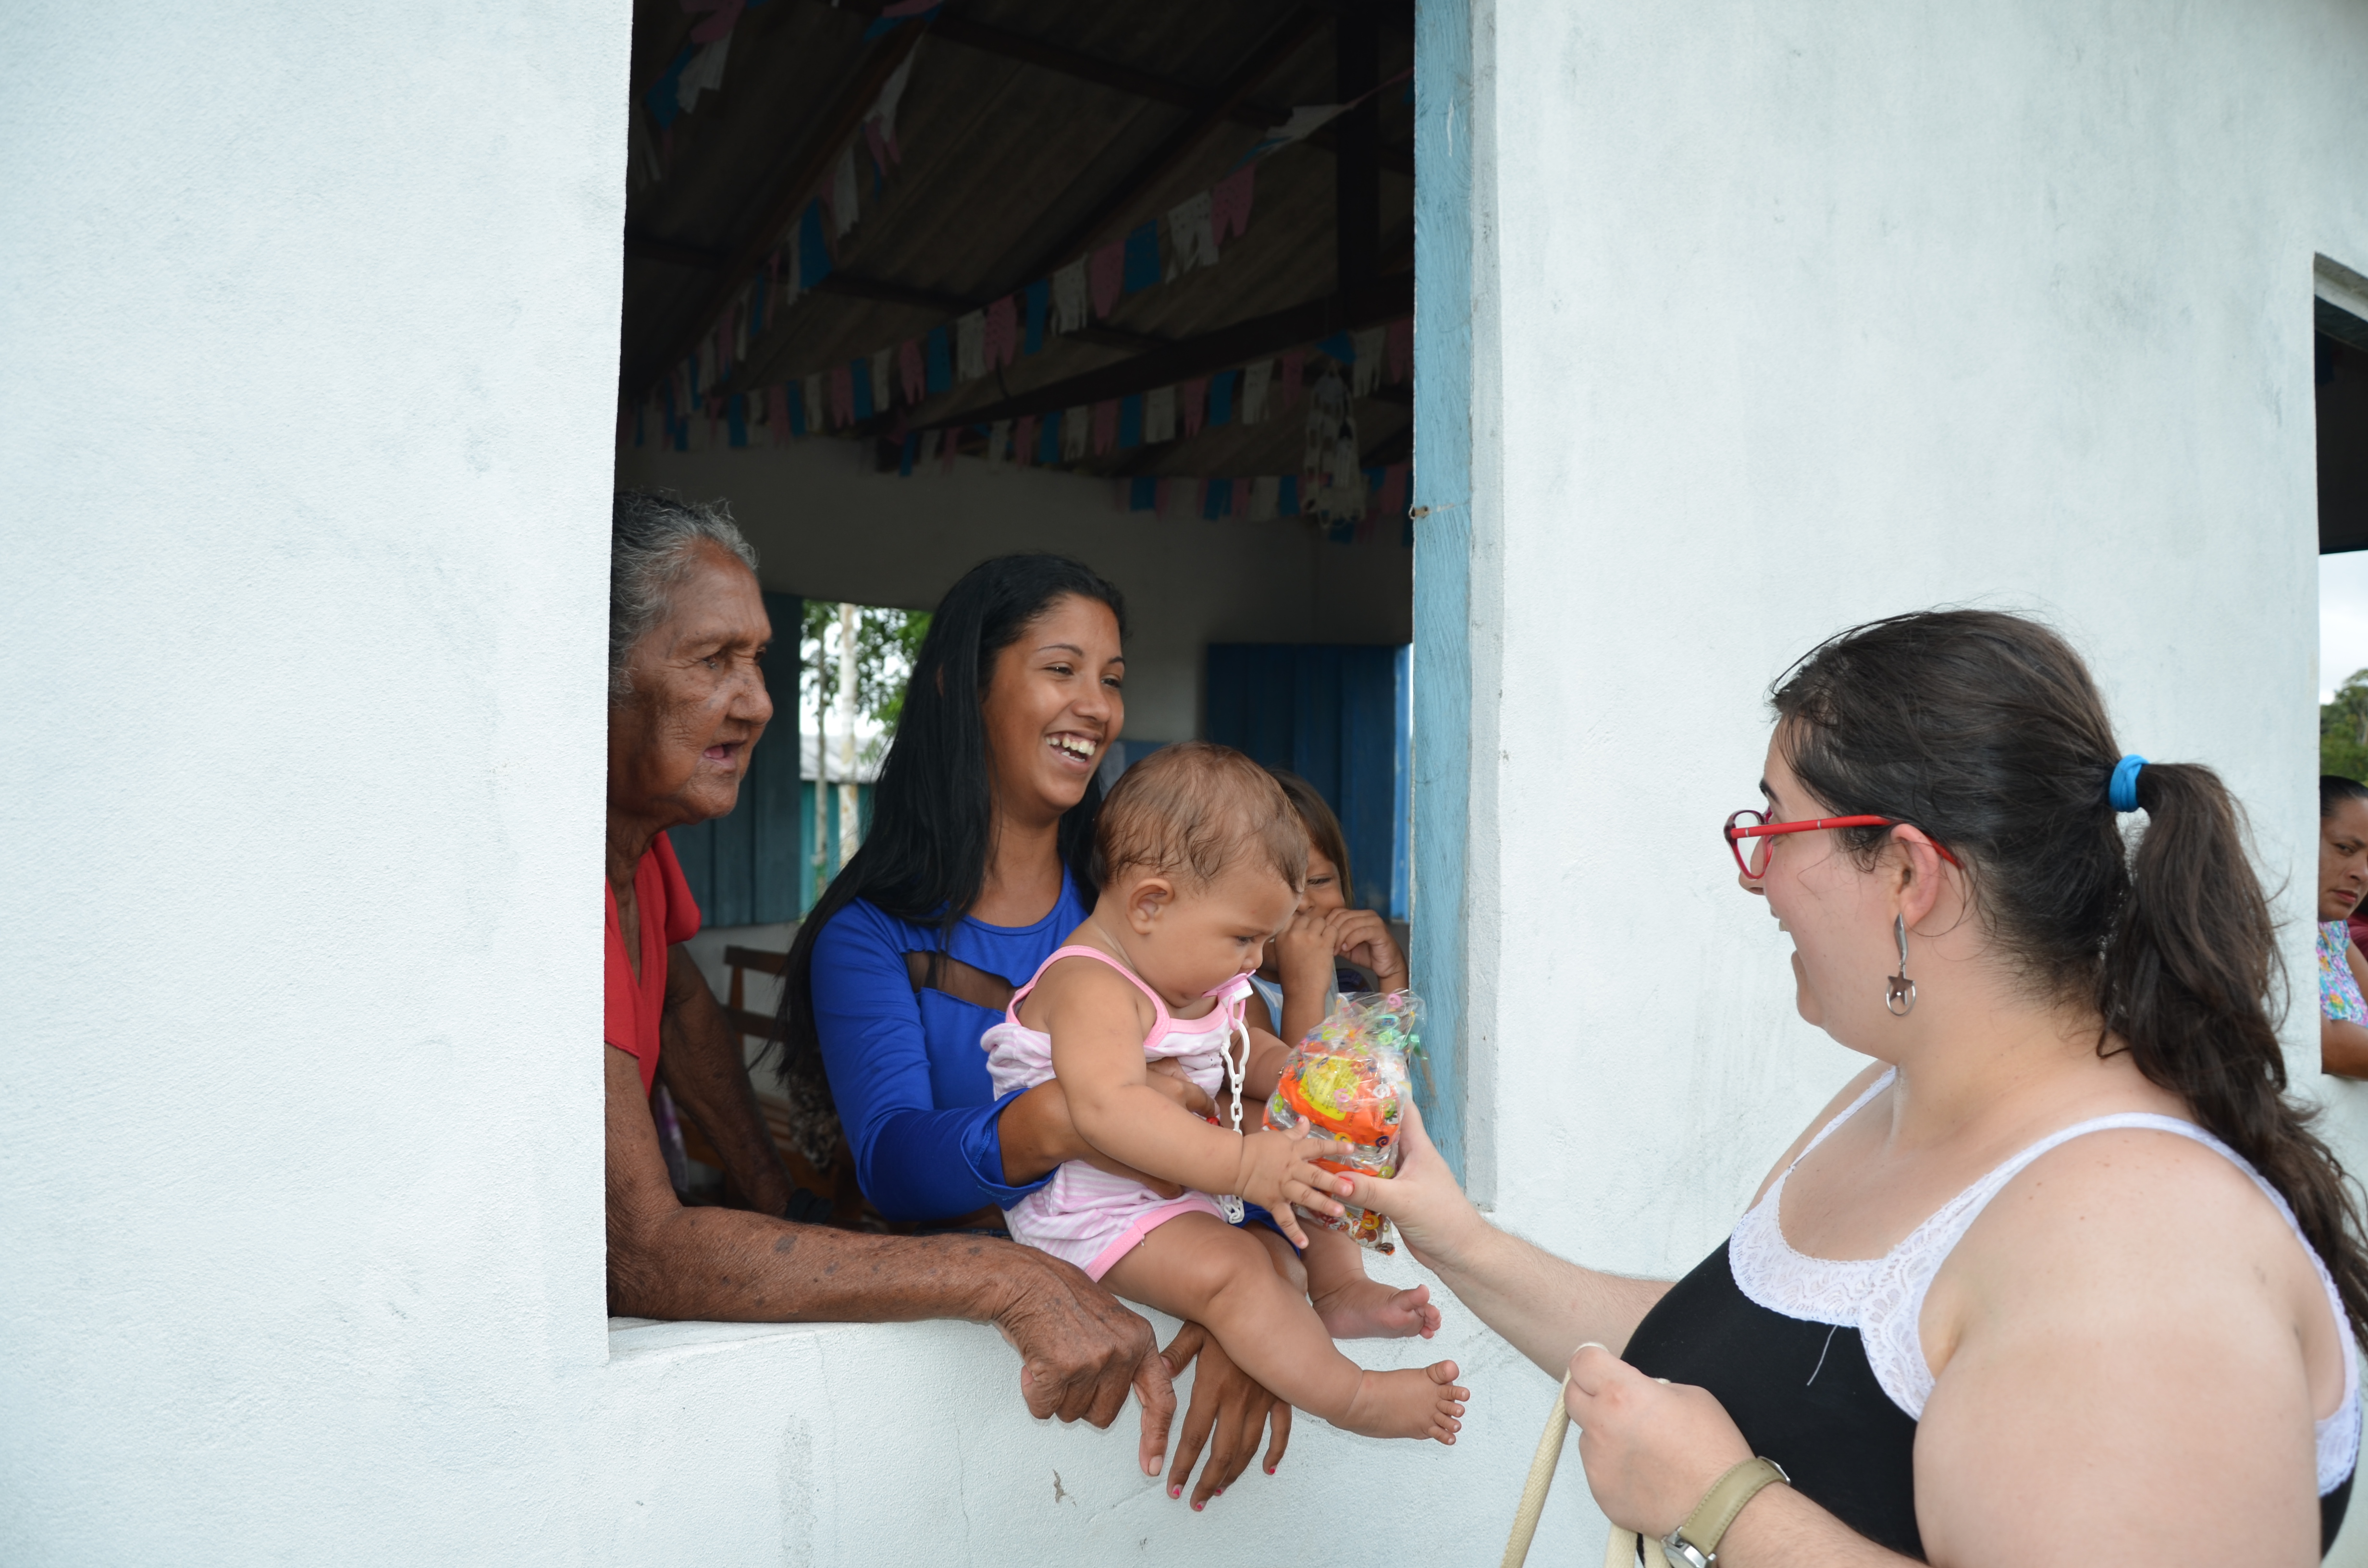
1755,828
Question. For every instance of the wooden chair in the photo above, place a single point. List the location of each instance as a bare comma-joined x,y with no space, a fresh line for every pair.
838,1183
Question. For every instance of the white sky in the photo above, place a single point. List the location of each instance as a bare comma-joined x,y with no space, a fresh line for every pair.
2342,617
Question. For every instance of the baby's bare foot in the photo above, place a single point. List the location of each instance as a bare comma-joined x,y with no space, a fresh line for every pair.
1424,1403
1367,1308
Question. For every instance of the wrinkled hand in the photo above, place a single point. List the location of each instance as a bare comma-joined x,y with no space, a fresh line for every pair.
1652,1449
1278,1169
1363,938
1434,1219
1229,1410
1080,1350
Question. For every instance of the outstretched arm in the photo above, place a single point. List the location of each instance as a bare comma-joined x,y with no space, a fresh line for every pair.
1079,1348
1546,1306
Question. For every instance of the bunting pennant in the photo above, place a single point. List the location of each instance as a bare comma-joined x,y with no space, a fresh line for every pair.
1040,300
1070,296
735,412
1105,427
1192,239
1049,447
1130,422
1108,270
1264,495
1002,333
859,382
1194,395
1158,415
1023,440
1142,264
970,345
1143,494
1366,369
842,397
1078,426
1221,398
1229,204
909,371
1218,499
1257,380
815,412
884,379
1295,365
841,193
1400,352
813,251
940,377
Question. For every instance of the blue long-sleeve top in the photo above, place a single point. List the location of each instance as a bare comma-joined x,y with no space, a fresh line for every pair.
906,1067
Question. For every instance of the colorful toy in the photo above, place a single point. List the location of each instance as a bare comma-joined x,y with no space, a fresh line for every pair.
1347,1080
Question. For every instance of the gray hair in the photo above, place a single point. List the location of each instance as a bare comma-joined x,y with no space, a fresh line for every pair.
653,540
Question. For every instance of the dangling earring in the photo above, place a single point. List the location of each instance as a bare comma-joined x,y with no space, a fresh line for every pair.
1899,991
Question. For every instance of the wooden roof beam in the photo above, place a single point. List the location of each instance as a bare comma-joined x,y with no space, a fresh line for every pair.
1386,299
790,194
1127,79
1146,176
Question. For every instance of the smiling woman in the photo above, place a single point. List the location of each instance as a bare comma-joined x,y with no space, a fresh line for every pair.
977,863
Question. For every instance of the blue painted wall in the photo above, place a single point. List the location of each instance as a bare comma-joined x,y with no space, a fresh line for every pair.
1332,713
1443,546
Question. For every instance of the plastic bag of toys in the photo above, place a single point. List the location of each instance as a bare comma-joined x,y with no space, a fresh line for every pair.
1348,1081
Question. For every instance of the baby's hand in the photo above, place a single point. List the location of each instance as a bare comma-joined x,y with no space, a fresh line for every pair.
1278,1169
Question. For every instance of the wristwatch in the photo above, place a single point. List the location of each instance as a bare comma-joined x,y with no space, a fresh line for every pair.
1694,1544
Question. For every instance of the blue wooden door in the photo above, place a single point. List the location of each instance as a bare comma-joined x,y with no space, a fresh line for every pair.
1335,714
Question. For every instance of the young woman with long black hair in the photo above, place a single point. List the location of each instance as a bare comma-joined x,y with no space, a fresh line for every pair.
2064,1277
977,862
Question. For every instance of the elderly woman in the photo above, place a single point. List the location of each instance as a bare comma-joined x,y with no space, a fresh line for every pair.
686,704
2064,1277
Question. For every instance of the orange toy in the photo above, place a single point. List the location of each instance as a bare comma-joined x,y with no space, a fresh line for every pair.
1347,1080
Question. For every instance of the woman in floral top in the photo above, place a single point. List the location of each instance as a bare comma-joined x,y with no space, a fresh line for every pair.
2342,879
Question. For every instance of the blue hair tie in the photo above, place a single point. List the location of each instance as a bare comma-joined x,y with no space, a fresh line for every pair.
2122,792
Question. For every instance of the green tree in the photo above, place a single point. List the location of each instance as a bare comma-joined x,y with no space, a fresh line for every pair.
885,644
2343,729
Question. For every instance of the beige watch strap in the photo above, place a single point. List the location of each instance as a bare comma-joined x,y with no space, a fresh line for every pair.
1707,1524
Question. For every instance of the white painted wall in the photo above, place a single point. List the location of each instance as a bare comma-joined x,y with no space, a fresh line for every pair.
829,527
311,317
1794,315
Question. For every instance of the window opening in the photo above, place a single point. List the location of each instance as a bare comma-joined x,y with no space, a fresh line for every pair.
910,287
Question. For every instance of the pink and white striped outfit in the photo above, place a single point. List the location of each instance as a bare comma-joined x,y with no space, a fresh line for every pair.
1086,1216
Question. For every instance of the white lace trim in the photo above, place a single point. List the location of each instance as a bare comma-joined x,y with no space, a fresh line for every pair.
1883,1297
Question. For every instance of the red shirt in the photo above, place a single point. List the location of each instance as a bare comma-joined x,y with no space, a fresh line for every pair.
668,915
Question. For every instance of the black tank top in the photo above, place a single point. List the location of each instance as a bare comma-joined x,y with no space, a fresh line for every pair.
1803,1390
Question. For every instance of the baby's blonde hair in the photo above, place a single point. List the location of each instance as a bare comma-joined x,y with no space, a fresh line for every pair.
1191,810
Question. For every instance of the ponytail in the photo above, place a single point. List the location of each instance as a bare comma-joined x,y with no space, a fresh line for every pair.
1986,731
2186,973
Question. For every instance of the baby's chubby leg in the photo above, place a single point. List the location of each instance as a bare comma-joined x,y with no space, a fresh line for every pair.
1354,1307
1198,1266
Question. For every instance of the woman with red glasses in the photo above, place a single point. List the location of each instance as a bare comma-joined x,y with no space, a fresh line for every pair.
2063,1276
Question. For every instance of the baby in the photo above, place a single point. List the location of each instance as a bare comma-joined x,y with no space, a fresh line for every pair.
1200,859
